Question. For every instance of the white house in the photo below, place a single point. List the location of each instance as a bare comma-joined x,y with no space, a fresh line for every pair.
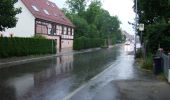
42,17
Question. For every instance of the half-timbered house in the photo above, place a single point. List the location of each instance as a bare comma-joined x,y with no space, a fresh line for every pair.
43,17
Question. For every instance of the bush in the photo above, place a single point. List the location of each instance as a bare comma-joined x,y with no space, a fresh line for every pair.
85,43
37,36
148,62
25,46
138,53
158,36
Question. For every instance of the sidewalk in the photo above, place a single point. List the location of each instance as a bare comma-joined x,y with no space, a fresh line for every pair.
134,90
8,62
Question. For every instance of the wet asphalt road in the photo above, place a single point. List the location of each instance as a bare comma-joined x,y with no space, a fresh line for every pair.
54,79
82,76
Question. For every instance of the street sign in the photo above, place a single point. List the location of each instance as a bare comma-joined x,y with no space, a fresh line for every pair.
141,27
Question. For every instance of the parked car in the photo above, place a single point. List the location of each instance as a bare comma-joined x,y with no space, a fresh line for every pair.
127,43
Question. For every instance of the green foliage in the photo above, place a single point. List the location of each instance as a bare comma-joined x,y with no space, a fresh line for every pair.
155,15
8,13
39,37
152,11
81,25
76,6
85,43
24,46
92,11
138,53
158,36
148,62
93,22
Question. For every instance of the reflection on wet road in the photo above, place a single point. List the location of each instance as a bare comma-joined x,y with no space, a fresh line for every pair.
122,68
55,78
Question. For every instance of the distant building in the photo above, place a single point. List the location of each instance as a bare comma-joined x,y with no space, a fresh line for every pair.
43,17
128,36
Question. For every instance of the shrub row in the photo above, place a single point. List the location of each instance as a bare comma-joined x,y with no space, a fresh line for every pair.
25,46
85,43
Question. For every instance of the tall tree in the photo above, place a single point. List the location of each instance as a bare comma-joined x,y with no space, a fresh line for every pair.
93,22
76,6
155,15
92,11
153,11
8,13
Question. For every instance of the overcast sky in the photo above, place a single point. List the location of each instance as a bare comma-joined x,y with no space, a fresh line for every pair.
121,8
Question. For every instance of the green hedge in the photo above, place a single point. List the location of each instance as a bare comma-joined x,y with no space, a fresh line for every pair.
25,46
85,43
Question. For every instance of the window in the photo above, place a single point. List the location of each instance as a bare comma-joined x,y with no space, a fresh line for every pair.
59,29
72,32
65,30
35,8
50,29
69,31
41,27
46,12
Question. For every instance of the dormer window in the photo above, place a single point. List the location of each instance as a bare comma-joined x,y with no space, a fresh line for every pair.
46,12
35,8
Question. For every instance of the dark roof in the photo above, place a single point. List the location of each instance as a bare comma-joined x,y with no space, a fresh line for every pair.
53,12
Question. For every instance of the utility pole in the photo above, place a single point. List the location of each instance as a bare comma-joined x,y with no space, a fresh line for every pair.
136,24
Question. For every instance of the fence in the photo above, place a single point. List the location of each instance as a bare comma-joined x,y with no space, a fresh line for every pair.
166,65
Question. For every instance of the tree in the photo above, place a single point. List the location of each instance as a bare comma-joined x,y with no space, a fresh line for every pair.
92,11
8,13
93,23
76,6
153,11
81,25
155,15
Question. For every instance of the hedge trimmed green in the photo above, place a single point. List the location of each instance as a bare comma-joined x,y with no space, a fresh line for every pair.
85,43
10,47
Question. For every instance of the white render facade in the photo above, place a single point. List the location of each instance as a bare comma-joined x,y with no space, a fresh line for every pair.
25,26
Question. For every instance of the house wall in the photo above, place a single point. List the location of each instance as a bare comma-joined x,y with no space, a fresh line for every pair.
26,23
66,43
59,31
